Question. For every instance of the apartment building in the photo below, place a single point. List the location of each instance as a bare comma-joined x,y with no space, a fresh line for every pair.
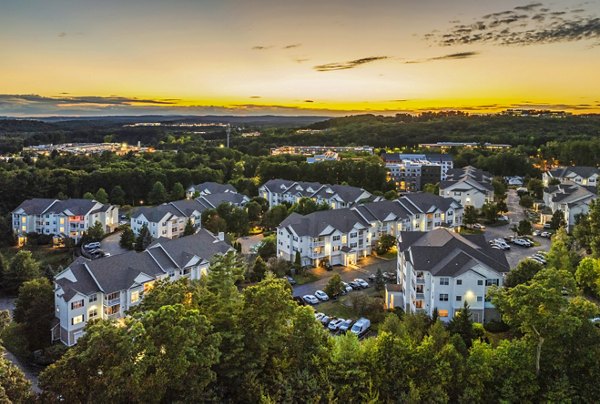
412,176
209,188
469,186
107,287
68,218
445,161
279,191
442,270
570,198
343,236
169,219
586,176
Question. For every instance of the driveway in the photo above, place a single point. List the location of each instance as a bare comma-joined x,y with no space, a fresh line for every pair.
111,245
249,242
368,266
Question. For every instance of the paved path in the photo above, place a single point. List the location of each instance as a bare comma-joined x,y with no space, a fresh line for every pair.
346,273
111,245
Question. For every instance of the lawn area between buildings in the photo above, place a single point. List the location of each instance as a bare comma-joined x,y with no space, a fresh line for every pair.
45,255
305,277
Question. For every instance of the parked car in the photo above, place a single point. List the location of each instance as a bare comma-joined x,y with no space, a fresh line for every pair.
310,299
522,242
291,280
319,316
354,285
106,254
546,234
347,287
326,319
321,295
372,277
334,324
389,276
299,300
503,217
362,283
500,243
327,266
537,233
478,226
345,326
547,226
91,246
361,326
538,260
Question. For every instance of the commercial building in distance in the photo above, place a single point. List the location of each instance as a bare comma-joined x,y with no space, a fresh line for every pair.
445,146
313,150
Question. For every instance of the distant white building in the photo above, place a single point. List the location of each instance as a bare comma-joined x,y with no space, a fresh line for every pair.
469,186
442,270
586,176
343,236
68,218
106,288
279,191
445,161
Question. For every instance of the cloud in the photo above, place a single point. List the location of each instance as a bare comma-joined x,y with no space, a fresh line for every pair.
255,96
301,60
261,47
451,56
292,46
348,65
308,101
62,34
524,25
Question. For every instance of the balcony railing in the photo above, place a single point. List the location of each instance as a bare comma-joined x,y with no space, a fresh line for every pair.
112,302
317,243
420,281
420,296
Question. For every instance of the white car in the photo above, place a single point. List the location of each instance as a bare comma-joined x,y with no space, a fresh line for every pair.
91,246
321,295
310,299
479,226
362,283
521,242
347,287
500,243
536,259
319,316
334,324
546,234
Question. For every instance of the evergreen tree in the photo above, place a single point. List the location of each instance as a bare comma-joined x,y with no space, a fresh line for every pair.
259,269
143,239
379,281
96,232
101,196
88,195
22,268
561,255
117,195
127,240
14,386
334,286
158,194
462,325
557,220
297,261
178,192
189,228
470,215
3,269
34,309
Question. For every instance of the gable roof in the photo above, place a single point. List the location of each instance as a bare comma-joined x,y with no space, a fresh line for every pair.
214,200
443,252
315,223
77,207
213,188
582,171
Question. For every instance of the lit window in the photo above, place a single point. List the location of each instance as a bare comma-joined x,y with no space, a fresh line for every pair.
24,219
443,313
77,319
93,313
419,304
135,296
76,305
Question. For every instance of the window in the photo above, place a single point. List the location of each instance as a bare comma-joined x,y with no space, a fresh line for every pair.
77,305
353,235
490,282
443,297
352,245
480,298
479,282
459,281
443,313
113,296
93,313
419,304
444,281
135,296
93,298
336,238
77,319
458,298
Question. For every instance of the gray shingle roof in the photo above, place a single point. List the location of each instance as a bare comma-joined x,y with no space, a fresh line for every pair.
582,171
443,252
214,200
155,213
315,223
213,188
78,207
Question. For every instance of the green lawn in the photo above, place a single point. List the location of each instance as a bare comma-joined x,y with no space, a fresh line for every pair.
46,255
306,277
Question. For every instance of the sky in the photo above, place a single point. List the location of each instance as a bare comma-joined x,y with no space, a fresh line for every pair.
289,57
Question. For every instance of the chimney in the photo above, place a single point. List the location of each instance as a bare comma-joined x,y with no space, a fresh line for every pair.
221,236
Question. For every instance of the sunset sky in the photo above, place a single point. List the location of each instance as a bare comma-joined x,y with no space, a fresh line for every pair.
309,57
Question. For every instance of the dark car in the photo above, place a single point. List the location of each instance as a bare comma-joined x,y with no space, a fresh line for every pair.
299,300
354,285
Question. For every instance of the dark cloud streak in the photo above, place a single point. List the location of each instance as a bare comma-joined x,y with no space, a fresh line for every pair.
349,64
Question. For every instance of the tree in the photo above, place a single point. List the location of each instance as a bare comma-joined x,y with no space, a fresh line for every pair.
334,286
522,273
587,275
96,232
490,212
14,386
267,248
561,255
158,194
274,216
432,188
101,195
524,227
582,233
470,215
594,223
390,195
189,228
143,239
213,222
297,261
178,192
127,240
526,201
379,281
22,268
462,325
254,211
278,266
557,220
536,187
117,195
88,195
385,244
259,269
499,188
34,309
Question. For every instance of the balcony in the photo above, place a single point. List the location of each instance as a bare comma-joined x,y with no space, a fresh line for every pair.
420,296
112,302
420,281
317,243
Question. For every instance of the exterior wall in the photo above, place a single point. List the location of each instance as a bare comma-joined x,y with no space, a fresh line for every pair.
472,197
